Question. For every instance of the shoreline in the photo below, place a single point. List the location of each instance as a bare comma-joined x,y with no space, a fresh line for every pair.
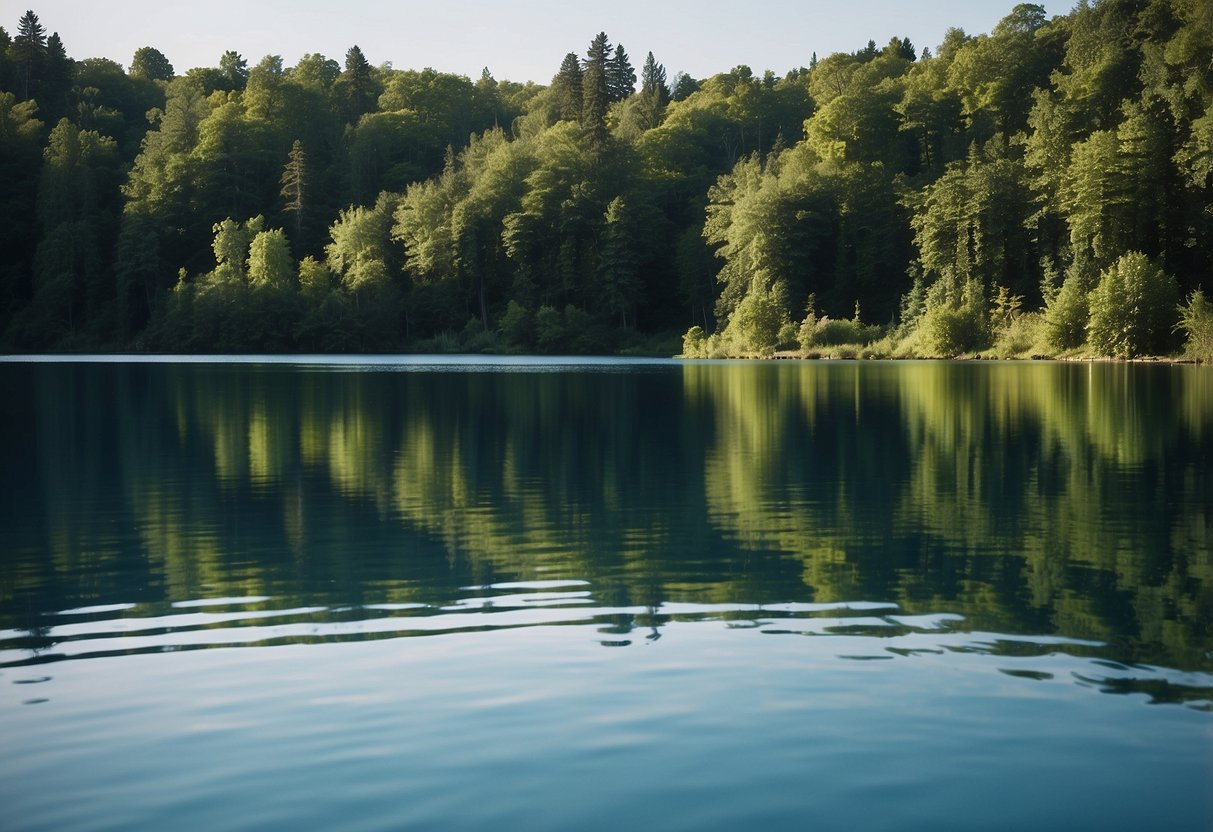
785,355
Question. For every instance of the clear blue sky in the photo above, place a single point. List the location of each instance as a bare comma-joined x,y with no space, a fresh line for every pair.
518,41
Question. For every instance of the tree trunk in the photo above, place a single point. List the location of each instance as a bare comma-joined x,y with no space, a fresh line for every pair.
484,311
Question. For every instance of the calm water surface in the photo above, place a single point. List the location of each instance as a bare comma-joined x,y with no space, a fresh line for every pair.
370,594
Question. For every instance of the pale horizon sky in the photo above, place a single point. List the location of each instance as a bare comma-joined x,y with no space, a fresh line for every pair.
518,41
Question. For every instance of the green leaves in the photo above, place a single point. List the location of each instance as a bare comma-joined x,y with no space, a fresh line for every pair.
1133,309
1196,320
151,63
968,223
1045,146
269,260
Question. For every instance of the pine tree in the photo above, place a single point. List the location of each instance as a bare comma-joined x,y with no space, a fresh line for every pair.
29,49
653,80
618,269
567,86
488,97
356,86
5,63
654,94
684,87
294,187
234,70
621,78
595,89
56,80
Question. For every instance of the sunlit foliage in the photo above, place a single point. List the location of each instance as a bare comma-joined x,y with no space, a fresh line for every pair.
913,183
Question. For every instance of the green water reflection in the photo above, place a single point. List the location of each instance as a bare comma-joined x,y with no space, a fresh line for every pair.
1029,498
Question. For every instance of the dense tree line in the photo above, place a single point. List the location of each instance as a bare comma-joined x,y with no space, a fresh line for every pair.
1008,191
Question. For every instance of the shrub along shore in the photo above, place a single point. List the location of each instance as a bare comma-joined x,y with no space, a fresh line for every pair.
1130,313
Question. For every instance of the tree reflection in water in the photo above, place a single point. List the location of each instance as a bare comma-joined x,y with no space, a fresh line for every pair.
1028,498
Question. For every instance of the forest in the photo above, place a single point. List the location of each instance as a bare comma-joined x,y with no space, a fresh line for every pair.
1043,189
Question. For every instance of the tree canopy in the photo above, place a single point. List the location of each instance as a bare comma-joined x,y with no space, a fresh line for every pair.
983,192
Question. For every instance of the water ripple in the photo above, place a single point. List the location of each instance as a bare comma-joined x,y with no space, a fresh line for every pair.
864,631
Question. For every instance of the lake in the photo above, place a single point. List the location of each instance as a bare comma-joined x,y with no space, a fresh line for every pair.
370,593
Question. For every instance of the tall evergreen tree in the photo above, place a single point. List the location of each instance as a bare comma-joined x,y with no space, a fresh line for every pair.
29,51
356,87
294,188
234,70
621,78
618,270
56,81
684,87
653,80
5,61
567,86
595,87
488,98
654,94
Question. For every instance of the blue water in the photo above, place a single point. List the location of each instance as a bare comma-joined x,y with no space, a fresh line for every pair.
604,595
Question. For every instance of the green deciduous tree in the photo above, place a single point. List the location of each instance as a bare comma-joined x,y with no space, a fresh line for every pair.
996,73
79,172
1114,193
269,260
1068,310
20,141
969,224
955,319
315,72
1133,309
1196,321
231,246
266,92
151,63
450,107
103,97
360,247
452,229
551,237
754,326
365,264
